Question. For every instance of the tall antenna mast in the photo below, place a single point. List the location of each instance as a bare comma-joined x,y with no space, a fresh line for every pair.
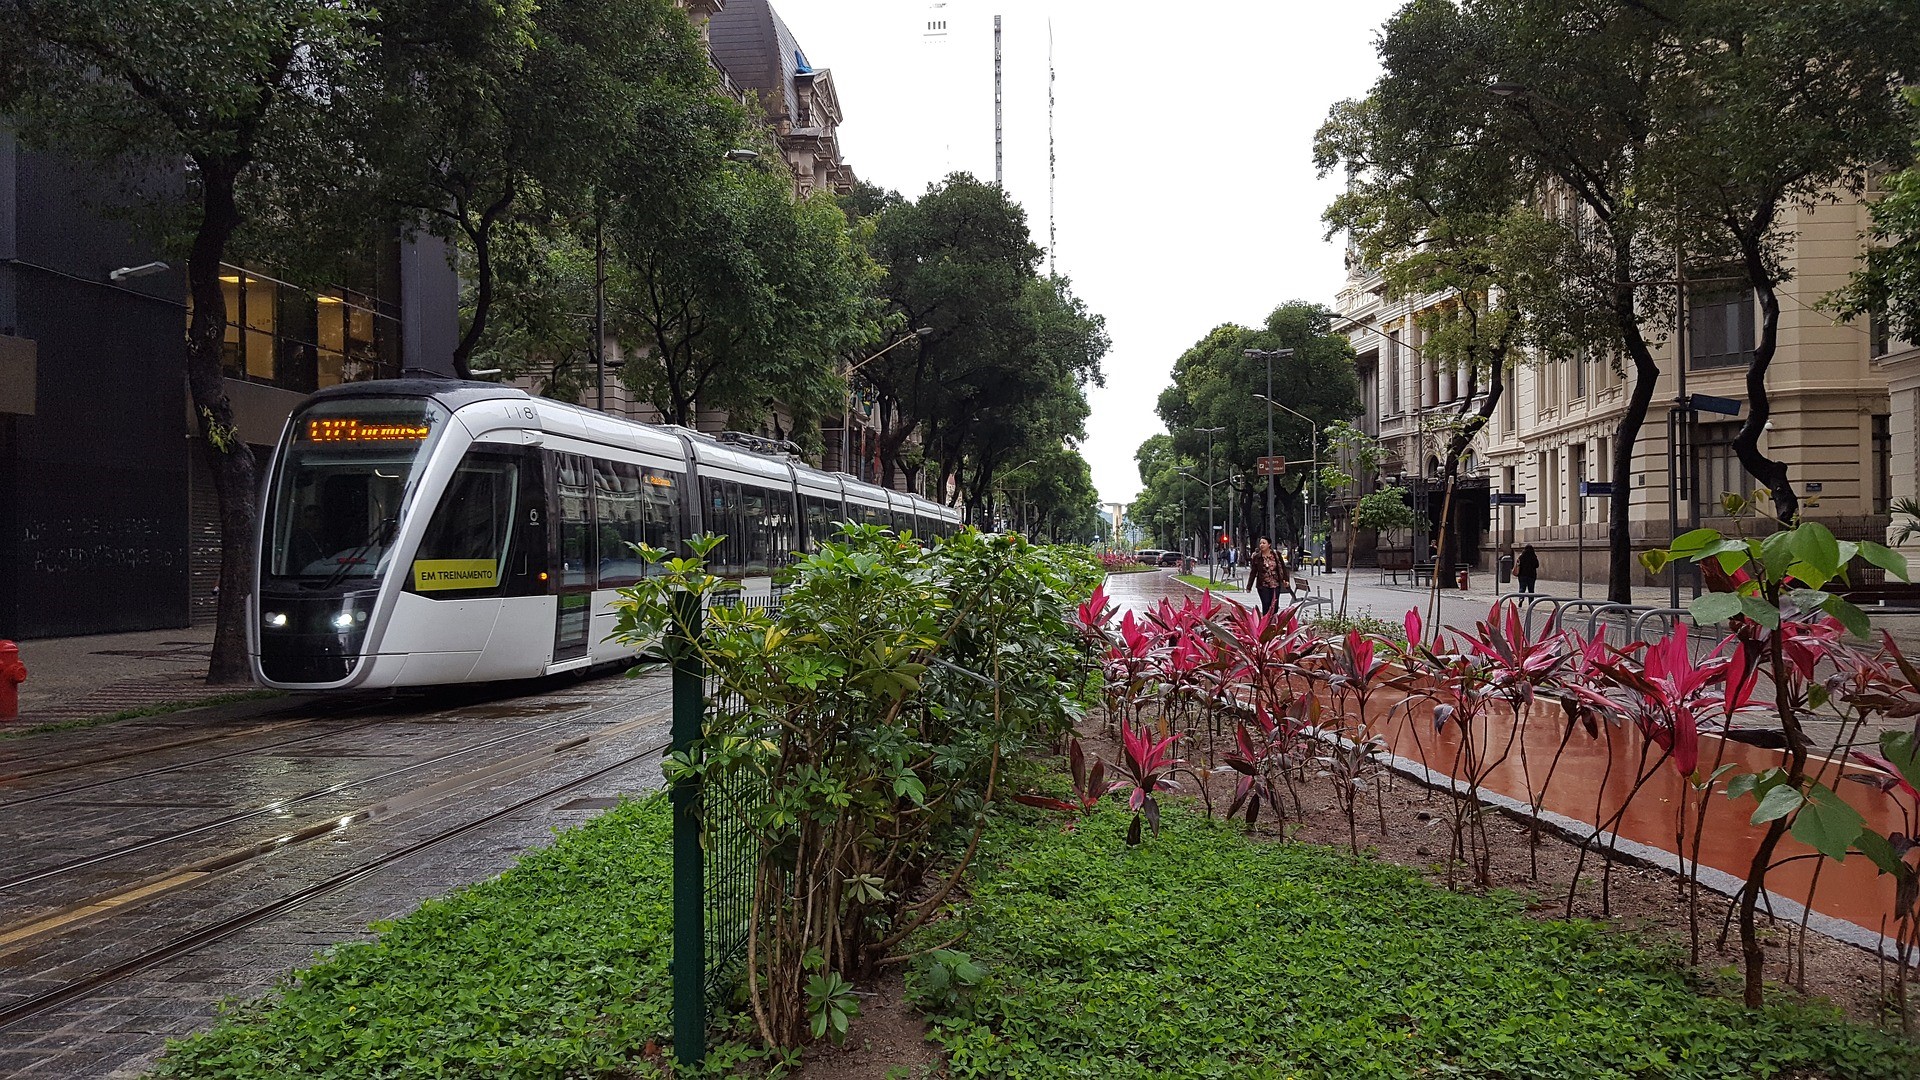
1050,156
997,178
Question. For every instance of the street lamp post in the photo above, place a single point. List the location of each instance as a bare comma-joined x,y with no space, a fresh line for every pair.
1313,474
846,404
1269,355
1209,433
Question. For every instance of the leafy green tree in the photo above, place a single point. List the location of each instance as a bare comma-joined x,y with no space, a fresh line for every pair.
1214,383
1672,124
743,296
1558,105
1887,285
959,261
471,120
1028,401
153,86
1776,105
1448,220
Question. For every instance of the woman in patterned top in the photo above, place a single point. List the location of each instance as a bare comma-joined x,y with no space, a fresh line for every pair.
1264,574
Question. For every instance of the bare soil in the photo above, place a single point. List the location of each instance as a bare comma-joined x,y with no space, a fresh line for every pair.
888,1040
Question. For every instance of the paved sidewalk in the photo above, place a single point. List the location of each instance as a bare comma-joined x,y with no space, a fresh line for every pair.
1369,593
78,678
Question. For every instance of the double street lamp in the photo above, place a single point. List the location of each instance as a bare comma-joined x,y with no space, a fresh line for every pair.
1270,355
1313,474
1209,432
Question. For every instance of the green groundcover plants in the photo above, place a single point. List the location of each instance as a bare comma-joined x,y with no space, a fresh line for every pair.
1204,954
557,968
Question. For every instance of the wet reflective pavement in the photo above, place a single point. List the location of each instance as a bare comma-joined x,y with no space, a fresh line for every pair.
155,867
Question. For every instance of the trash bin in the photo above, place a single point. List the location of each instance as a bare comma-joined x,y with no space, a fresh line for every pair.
1506,569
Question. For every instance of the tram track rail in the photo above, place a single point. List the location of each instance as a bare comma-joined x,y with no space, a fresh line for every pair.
332,822
156,748
359,708
187,942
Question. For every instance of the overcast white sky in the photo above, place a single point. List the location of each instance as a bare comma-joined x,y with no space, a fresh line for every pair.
1185,192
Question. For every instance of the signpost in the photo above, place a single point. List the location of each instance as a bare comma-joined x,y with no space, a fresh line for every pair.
1271,466
1589,489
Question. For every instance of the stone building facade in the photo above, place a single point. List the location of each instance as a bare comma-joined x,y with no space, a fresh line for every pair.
1833,423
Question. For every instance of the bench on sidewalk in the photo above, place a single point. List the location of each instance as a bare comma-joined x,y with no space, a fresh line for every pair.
1415,571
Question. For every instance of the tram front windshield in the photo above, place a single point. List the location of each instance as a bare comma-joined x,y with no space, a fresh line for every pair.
343,484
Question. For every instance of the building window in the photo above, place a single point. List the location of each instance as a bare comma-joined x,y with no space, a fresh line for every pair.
1720,324
285,336
1508,392
1579,377
1883,464
1878,340
1716,468
1393,373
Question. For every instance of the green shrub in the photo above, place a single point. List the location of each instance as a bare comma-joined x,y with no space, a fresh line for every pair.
875,710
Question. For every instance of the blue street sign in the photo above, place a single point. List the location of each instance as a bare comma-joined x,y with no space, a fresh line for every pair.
1593,489
1709,403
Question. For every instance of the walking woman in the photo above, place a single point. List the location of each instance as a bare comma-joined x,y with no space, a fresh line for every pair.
1263,575
1527,569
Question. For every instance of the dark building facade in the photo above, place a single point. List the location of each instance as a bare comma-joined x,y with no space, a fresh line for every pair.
107,510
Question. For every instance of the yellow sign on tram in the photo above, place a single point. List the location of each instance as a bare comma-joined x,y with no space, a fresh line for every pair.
431,574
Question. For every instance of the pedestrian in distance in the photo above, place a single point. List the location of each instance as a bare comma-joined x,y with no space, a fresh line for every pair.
1528,568
1265,572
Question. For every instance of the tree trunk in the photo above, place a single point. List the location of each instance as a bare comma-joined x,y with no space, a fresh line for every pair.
1627,433
1457,448
233,466
1771,474
480,235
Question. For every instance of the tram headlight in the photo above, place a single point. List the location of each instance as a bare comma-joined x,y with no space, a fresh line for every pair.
275,619
343,621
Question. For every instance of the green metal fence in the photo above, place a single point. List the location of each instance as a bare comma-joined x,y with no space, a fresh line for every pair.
715,848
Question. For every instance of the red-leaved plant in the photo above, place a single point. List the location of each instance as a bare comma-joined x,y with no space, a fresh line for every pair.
1147,765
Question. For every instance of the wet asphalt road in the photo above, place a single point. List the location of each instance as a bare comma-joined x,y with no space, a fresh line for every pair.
123,842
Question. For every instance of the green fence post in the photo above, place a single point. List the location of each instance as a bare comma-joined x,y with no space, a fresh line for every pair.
689,915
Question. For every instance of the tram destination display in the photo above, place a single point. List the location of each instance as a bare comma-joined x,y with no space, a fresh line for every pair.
353,429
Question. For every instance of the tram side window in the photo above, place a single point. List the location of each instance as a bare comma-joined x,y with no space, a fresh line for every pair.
723,519
572,493
619,520
757,531
469,539
660,510
821,516
781,525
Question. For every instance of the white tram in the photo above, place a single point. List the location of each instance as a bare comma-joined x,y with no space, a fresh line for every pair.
423,532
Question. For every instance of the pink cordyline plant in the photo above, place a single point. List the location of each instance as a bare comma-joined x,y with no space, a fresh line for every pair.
1523,667
1147,766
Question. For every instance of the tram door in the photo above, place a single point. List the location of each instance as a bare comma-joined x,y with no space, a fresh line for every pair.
573,557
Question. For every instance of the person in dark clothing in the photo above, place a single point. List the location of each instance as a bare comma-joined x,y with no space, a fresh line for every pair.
1527,569
1264,575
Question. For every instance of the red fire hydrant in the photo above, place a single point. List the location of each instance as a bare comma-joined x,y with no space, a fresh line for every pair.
12,674
1461,580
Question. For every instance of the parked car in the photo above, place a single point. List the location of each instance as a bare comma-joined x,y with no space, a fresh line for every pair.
1150,556
1169,558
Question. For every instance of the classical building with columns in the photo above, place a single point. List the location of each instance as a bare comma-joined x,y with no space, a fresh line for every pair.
1834,424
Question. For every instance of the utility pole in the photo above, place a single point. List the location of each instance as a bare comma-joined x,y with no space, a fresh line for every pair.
1270,355
599,308
1212,545
998,179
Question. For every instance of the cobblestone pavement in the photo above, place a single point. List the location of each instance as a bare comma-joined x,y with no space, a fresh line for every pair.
118,845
